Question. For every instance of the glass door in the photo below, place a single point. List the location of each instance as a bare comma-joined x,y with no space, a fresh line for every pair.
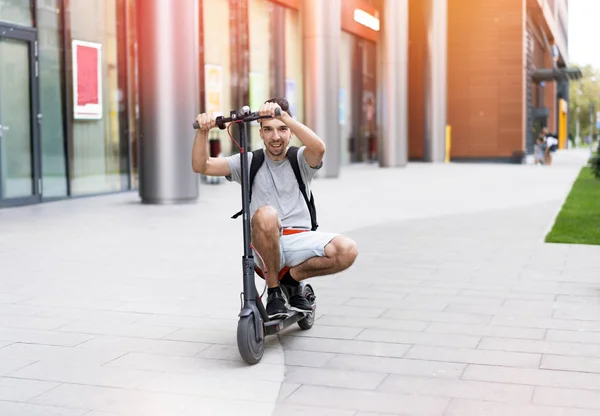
19,141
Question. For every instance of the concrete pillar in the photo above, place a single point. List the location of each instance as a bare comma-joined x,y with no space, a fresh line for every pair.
322,40
169,99
394,85
436,69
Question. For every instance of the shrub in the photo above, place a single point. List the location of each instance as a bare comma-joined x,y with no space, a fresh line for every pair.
595,165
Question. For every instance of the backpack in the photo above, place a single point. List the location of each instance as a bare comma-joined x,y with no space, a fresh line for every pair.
258,157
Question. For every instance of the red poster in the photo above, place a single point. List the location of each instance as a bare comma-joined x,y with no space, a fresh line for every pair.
87,80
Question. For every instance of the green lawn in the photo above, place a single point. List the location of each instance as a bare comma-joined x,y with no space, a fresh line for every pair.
579,219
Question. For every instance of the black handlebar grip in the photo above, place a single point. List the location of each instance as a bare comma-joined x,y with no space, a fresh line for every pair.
220,123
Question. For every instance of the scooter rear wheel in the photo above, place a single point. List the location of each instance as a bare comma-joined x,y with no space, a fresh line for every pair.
309,320
250,349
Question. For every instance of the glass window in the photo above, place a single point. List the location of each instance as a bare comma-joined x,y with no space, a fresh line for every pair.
358,98
16,11
294,88
217,69
16,171
96,153
132,89
347,87
54,172
261,15
369,100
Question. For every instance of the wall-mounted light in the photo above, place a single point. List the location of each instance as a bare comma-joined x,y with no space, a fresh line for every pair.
366,19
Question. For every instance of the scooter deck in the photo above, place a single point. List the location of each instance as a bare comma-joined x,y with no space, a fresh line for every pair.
275,326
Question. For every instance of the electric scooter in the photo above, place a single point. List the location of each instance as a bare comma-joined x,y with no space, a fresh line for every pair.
254,323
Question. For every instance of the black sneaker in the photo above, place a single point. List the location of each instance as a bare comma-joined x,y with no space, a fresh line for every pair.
297,300
276,306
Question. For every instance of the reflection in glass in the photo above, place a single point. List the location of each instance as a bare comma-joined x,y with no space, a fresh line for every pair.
261,15
17,12
54,174
96,150
132,90
217,60
15,119
294,72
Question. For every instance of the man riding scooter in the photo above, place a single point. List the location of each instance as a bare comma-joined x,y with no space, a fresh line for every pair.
288,248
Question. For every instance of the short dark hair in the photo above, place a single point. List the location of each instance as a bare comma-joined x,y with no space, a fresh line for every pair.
283,103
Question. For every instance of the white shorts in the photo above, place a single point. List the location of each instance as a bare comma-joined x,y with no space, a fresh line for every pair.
295,249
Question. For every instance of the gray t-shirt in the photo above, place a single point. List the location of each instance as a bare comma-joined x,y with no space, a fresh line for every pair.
275,184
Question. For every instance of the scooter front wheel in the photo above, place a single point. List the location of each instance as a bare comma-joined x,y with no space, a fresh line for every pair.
250,349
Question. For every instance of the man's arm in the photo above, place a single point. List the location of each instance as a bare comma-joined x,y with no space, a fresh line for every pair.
315,147
201,162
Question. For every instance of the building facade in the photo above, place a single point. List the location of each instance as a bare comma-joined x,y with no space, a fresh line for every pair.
67,99
94,93
507,75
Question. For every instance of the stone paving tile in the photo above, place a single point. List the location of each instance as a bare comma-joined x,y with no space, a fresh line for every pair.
80,373
440,387
298,410
344,346
43,337
533,377
553,396
461,407
560,362
373,323
205,367
361,380
449,317
542,347
56,354
387,365
145,345
487,330
546,323
351,399
20,390
475,356
29,409
419,338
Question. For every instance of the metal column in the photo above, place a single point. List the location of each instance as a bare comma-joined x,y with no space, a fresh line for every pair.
394,86
436,15
322,39
169,99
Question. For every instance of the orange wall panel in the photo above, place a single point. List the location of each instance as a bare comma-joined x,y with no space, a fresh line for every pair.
550,103
485,77
416,78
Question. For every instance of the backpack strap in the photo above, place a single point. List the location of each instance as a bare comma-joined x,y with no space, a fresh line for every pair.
292,156
258,157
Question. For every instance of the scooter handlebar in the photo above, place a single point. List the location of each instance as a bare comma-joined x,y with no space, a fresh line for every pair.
243,116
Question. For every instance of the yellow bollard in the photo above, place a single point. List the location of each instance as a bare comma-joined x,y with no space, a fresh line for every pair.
448,141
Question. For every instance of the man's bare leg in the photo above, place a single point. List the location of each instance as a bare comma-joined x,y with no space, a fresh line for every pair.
265,238
340,254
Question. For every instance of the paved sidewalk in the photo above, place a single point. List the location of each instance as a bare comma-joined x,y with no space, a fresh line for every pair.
455,306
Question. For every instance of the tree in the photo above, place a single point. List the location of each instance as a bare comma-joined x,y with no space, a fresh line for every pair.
582,93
